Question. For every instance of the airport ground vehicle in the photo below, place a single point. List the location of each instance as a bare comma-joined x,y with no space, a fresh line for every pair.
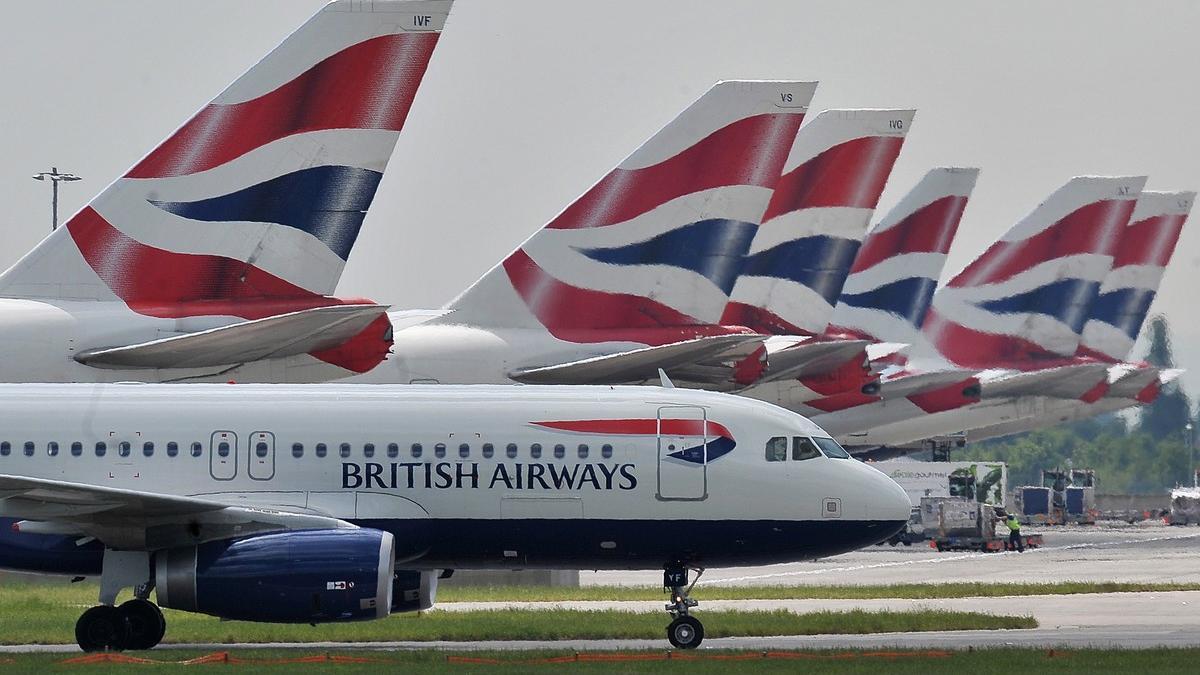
984,482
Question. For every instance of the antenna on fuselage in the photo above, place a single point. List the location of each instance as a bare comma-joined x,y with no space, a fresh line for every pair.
664,380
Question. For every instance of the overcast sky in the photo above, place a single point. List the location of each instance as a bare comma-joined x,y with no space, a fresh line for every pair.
527,103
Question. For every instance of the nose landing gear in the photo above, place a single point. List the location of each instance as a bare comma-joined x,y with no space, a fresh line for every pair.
685,631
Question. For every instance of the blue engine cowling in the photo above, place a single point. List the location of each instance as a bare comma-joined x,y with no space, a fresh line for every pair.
413,590
307,576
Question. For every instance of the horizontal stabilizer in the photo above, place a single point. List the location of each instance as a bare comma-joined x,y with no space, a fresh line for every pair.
277,336
1129,382
918,383
1070,381
637,365
810,358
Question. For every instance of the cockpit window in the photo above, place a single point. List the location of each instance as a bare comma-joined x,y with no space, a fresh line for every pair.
777,449
804,448
831,448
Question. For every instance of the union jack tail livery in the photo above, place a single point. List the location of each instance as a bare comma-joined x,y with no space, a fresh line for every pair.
649,254
893,278
816,219
1024,302
250,208
1146,246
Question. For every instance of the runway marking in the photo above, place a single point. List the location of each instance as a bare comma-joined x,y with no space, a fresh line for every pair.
964,556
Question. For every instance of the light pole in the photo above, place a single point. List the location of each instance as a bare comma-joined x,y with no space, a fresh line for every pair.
1191,452
55,178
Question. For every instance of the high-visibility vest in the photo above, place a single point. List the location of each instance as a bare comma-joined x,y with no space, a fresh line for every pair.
1013,524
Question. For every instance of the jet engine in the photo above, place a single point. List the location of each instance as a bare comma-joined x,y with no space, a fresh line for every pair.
413,590
308,576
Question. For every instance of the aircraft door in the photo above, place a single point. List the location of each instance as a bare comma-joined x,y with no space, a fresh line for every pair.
262,455
222,455
682,453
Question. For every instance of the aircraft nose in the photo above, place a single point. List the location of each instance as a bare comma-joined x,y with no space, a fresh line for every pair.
890,502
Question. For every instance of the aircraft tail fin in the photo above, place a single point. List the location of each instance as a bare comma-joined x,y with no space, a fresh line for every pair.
1146,246
261,194
657,243
816,219
896,271
1026,298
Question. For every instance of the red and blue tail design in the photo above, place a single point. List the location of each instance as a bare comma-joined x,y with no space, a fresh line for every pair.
1024,302
812,228
649,254
893,278
250,209
1124,301
715,440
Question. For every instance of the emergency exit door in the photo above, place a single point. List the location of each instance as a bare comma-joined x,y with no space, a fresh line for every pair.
262,455
223,455
682,453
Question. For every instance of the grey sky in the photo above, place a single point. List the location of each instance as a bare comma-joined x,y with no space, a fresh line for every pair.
527,103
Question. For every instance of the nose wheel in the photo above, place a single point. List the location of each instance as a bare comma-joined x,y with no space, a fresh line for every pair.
685,631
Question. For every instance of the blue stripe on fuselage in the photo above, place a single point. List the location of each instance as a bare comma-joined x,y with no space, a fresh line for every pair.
711,248
328,202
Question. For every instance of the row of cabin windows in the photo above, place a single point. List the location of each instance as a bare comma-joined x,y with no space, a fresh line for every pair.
804,448
262,449
417,450
123,448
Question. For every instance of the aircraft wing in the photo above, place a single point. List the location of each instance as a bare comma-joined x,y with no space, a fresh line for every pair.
277,336
637,365
808,358
137,520
1070,381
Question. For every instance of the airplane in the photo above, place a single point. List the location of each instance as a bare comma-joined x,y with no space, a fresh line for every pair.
216,256
302,503
1117,317
1016,314
632,276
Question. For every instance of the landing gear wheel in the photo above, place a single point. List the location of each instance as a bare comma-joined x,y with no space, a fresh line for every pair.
685,632
102,628
145,623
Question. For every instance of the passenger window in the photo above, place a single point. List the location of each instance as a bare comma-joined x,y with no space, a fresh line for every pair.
583,451
52,448
147,448
368,450
29,448
297,450
123,448
261,450
76,449
416,450
5,449
223,448
488,450
320,450
172,449
560,451
777,449
464,450
804,448
439,450
606,451
535,451
197,449
393,450
511,449
101,449
344,449
831,448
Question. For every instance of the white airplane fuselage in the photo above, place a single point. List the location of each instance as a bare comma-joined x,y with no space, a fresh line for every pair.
479,476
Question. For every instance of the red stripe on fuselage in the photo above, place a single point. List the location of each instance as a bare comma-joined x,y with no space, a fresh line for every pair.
641,427
929,229
850,174
369,85
750,151
1094,228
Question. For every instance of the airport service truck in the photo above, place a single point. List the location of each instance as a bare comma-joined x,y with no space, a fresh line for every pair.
961,485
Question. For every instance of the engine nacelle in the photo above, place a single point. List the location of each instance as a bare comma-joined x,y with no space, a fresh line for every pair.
308,576
413,591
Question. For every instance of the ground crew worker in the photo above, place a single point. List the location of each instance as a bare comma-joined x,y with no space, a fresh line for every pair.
1014,533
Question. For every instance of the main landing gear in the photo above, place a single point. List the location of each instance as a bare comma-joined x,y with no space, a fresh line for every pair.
685,631
136,623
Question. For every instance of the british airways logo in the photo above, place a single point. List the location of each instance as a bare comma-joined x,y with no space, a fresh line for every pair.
701,441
